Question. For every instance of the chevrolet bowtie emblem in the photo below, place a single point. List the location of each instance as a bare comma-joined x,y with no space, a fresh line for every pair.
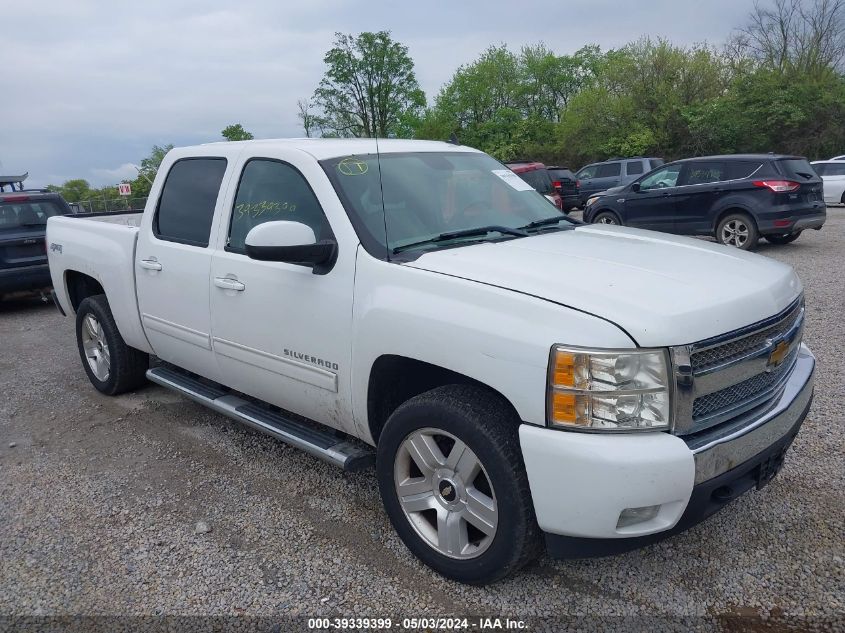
778,354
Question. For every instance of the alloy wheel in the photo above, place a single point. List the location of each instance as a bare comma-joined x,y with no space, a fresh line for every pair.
96,348
735,233
445,493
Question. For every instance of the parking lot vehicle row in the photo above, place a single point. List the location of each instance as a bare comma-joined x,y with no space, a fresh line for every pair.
735,198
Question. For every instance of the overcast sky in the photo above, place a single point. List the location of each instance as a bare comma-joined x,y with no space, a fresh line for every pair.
88,87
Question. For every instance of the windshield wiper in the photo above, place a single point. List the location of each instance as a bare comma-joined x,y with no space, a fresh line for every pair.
480,231
545,222
804,174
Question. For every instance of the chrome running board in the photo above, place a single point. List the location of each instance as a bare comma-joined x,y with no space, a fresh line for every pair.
342,451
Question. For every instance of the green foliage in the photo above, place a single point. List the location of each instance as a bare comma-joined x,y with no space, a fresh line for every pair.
79,190
369,88
236,132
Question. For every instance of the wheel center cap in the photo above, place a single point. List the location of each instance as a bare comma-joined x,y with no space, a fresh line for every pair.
447,490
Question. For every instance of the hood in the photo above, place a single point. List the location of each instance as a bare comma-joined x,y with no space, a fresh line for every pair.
661,289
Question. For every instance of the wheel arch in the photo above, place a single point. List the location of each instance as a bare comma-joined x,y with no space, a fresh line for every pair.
729,210
395,379
79,286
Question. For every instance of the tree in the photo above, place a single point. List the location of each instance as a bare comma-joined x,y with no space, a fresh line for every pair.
369,86
236,132
508,103
74,190
306,116
800,36
149,168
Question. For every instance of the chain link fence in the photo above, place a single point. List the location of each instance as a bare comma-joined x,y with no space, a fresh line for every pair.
105,205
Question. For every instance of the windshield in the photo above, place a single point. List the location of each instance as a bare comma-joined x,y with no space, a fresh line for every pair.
14,215
422,195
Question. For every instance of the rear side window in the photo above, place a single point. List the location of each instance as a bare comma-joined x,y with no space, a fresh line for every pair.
655,162
797,168
270,190
633,167
740,169
702,173
186,207
608,170
830,169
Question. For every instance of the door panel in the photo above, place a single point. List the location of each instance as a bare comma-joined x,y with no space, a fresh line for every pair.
172,276
654,205
282,334
702,184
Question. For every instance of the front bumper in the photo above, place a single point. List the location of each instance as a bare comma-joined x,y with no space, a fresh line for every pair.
581,483
25,278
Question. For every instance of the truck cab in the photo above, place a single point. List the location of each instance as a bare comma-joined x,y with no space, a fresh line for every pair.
416,306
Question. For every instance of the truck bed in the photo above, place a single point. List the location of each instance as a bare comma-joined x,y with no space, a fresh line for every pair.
100,246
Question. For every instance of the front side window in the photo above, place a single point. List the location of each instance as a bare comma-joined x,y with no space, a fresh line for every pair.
662,178
186,206
405,198
587,172
272,190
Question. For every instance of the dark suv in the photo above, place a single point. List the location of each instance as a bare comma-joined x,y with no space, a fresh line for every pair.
536,175
735,199
23,225
567,186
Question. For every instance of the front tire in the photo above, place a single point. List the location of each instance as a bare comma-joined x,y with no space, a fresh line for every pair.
112,366
738,230
607,217
453,483
783,239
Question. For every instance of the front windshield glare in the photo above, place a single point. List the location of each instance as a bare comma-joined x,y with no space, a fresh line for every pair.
422,195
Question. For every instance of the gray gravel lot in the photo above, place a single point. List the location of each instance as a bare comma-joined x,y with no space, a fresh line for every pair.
100,498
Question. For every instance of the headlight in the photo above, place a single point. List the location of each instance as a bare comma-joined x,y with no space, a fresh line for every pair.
602,390
592,201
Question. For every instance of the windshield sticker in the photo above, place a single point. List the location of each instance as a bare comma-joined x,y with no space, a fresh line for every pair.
352,166
512,179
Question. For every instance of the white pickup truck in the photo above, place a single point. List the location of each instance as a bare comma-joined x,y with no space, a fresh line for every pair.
519,379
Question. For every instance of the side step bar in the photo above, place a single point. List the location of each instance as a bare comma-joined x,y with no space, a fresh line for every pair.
349,454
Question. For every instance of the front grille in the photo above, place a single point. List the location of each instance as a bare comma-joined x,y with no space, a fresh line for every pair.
732,374
710,357
742,393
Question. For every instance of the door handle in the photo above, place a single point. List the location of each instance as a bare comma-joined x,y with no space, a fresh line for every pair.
150,264
227,283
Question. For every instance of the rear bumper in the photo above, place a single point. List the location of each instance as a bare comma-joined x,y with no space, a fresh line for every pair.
25,278
581,483
777,223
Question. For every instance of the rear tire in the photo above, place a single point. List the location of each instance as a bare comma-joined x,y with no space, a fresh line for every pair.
738,230
783,239
454,485
112,366
607,217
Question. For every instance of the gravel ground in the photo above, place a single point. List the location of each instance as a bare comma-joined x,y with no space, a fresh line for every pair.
100,500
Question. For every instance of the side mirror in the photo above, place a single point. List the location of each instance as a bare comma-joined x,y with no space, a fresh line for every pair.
635,187
292,243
